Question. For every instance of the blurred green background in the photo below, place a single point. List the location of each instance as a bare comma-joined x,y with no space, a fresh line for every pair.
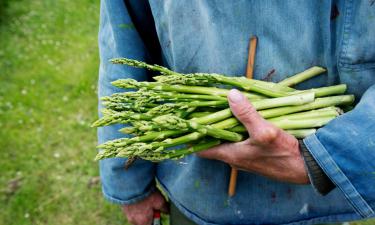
48,74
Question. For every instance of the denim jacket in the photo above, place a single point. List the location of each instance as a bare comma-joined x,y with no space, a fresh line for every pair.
212,36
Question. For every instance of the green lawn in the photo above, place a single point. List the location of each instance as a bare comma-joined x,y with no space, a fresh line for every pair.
48,69
48,75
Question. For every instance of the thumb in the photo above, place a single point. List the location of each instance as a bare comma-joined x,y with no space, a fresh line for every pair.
245,112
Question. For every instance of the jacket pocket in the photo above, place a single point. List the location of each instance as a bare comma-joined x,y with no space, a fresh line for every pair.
357,49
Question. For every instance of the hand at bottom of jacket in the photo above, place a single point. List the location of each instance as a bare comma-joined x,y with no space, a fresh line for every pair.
141,213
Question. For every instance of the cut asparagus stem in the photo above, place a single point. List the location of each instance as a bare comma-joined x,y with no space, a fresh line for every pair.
139,64
300,77
203,79
301,133
198,114
316,104
291,124
130,83
260,104
270,85
324,112
206,103
226,113
298,99
298,133
331,90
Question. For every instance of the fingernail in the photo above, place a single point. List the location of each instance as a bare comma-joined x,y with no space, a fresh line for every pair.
235,96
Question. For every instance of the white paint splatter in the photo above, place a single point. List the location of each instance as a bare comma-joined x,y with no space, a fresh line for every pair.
236,208
304,209
182,163
354,133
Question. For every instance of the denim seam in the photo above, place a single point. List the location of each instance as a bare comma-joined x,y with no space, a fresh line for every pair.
358,67
128,201
337,176
345,41
113,31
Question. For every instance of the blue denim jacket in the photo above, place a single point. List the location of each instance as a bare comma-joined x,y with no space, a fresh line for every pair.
212,36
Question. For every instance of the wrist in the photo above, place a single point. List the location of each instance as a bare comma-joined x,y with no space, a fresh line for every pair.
316,175
303,176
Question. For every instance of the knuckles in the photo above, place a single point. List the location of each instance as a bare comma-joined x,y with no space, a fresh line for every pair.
266,135
141,213
139,219
144,221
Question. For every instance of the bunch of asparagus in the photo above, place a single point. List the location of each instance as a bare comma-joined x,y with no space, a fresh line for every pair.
191,110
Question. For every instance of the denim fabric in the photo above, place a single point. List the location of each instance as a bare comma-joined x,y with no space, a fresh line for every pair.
212,36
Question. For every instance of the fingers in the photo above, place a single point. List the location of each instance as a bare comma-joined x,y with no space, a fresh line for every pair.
160,203
140,217
259,129
228,152
141,213
244,111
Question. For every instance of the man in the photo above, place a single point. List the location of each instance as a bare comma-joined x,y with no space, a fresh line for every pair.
212,36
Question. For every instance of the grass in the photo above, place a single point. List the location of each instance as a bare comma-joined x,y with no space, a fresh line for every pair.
48,75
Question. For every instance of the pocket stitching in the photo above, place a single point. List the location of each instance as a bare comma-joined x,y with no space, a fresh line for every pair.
346,40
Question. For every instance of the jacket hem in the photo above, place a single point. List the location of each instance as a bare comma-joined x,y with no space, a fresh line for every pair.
128,201
333,171
345,217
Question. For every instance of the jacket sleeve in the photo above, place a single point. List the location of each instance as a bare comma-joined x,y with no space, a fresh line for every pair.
345,150
119,38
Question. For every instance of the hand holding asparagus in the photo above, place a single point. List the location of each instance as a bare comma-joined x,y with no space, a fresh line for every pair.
269,151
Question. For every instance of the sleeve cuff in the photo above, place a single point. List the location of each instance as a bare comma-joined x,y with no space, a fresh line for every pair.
318,179
337,176
128,201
